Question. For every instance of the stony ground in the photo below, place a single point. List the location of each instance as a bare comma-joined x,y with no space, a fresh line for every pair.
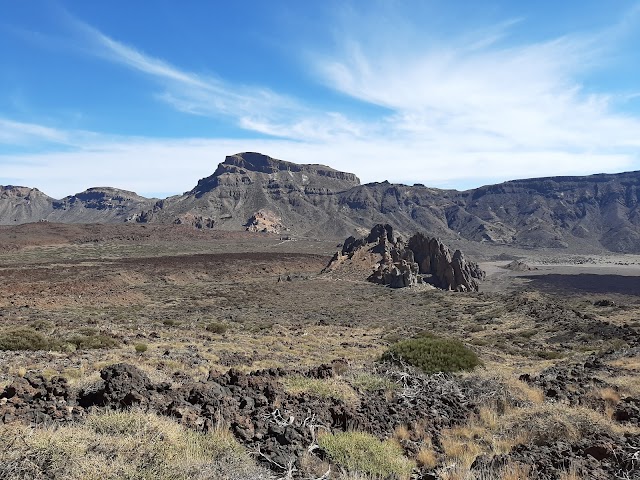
157,320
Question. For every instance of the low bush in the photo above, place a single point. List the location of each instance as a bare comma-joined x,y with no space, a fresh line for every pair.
369,382
433,354
363,453
141,347
325,388
23,339
90,340
42,325
216,327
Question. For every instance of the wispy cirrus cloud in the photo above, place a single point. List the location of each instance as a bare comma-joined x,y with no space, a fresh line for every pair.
458,111
472,94
23,133
254,108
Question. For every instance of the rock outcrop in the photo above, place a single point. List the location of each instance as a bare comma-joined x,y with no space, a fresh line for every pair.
265,221
419,260
518,266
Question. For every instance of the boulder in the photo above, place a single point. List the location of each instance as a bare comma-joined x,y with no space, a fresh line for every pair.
36,399
122,385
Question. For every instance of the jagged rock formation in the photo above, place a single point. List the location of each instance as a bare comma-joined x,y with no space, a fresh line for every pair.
196,221
583,213
404,264
265,221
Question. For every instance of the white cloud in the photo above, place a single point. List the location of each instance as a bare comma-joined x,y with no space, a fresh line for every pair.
253,108
458,111
20,133
151,166
518,98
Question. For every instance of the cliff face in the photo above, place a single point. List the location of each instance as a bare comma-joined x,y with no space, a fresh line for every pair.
249,187
257,192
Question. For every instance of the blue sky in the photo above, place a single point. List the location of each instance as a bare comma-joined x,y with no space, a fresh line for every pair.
151,96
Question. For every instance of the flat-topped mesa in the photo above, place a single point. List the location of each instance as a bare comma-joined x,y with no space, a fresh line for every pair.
257,162
250,167
419,260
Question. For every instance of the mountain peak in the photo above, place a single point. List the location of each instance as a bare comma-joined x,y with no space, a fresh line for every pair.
246,167
9,191
258,162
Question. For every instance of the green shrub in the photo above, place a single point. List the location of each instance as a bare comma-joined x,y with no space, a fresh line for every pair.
141,347
90,340
549,354
323,388
433,354
170,323
369,382
42,325
363,453
216,327
23,339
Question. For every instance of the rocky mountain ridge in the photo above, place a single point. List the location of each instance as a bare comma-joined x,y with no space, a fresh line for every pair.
256,192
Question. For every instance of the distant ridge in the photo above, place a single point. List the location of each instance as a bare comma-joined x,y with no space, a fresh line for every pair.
259,193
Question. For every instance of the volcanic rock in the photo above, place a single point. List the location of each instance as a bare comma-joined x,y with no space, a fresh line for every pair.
400,264
518,266
35,399
122,385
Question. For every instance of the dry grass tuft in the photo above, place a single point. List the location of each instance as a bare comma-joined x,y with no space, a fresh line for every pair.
123,445
401,433
427,457
363,453
609,395
515,471
556,422
499,386
491,433
571,474
627,363
511,471
327,388
627,385
460,447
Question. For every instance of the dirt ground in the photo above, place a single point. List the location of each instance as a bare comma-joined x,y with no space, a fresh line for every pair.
207,301
165,287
